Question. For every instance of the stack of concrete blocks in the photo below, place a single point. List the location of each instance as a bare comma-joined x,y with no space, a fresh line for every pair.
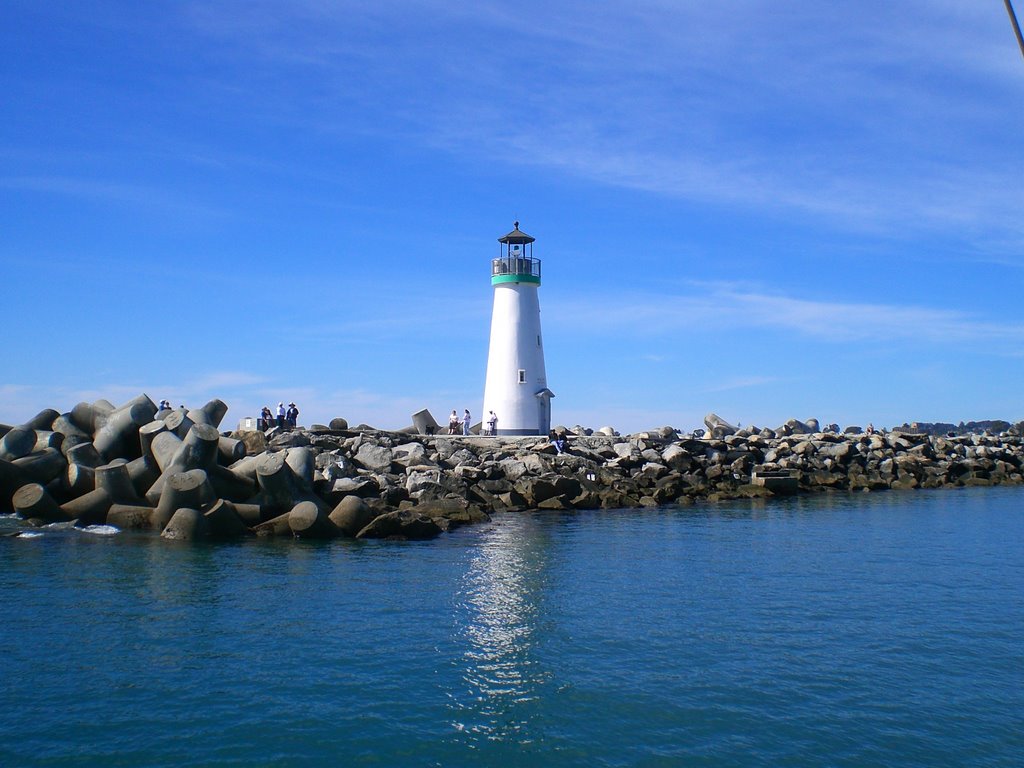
136,467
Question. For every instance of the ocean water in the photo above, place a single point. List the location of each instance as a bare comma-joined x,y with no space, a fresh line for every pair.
865,630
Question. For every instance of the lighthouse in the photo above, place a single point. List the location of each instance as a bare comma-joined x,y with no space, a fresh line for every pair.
516,389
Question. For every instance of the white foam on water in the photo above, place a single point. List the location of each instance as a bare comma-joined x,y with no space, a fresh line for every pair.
28,535
101,530
59,526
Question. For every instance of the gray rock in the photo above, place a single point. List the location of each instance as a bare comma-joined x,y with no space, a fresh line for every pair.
401,524
374,457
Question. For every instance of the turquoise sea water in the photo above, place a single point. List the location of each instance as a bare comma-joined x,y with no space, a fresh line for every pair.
867,630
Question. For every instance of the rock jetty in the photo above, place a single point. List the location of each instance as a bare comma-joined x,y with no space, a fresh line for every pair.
174,473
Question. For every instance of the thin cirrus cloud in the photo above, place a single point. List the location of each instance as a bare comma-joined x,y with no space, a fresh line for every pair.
836,322
857,118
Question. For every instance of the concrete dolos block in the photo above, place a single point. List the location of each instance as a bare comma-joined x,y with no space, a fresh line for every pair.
308,521
183,489
119,435
186,525
33,502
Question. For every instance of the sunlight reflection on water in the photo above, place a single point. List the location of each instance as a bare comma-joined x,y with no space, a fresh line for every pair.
499,611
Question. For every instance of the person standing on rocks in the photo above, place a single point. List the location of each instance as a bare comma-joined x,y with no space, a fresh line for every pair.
280,415
292,415
266,418
453,423
492,424
465,422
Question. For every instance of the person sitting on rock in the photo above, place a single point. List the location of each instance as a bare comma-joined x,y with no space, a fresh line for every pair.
266,418
558,440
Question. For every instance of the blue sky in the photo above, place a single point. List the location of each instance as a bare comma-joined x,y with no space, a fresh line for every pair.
763,209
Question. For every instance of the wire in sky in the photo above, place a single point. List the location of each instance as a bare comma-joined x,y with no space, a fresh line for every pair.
1016,26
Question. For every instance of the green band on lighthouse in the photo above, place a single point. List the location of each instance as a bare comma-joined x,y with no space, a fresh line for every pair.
496,279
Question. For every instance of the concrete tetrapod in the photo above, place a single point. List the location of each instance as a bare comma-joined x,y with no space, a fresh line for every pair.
179,423
42,467
186,525
11,479
33,502
144,472
42,420
69,429
351,515
148,433
275,526
91,416
225,522
302,462
197,451
230,450
84,454
47,439
17,443
212,413
308,521
279,488
79,480
115,480
119,435
129,517
183,489
90,509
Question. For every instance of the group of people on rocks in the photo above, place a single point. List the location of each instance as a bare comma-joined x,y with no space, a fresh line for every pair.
460,426
286,417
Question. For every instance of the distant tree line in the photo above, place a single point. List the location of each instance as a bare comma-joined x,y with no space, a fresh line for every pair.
994,426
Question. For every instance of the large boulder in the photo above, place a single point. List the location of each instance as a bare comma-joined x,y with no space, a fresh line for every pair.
536,490
401,524
451,513
376,458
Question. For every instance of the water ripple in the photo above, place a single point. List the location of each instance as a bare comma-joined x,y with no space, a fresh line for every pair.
845,631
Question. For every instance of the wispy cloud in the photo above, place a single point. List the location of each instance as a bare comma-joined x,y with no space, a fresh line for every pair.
836,322
116,192
857,118
221,379
744,382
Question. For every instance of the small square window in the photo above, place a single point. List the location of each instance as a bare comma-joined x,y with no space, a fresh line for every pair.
522,376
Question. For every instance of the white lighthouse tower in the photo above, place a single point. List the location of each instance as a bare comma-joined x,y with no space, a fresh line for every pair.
517,385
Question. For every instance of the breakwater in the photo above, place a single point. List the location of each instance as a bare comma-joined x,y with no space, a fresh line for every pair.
174,473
